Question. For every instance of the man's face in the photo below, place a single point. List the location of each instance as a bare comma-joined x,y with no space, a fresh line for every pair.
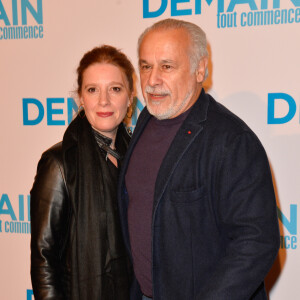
169,88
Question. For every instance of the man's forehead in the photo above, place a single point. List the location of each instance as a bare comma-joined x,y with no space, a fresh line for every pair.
166,44
173,35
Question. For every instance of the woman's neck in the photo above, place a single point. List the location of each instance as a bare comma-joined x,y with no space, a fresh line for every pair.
111,135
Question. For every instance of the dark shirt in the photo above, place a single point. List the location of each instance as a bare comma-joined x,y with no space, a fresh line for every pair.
140,181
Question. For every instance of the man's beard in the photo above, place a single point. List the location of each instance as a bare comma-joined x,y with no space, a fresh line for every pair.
170,111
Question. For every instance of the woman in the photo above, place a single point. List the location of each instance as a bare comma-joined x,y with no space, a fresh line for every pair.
77,250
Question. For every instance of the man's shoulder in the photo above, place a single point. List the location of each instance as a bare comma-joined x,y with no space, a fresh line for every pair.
218,116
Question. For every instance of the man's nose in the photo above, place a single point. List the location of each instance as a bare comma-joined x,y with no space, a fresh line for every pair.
155,77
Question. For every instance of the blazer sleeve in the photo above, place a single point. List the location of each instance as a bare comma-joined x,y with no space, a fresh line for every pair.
48,220
245,207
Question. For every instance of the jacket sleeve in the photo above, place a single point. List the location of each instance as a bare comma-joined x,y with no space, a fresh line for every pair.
246,213
48,219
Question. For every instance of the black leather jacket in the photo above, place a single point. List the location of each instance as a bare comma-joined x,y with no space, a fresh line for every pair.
77,249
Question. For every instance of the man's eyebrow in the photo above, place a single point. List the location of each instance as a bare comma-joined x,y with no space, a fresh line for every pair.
163,61
167,61
142,61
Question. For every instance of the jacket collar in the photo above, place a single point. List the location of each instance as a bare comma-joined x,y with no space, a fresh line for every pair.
197,115
187,133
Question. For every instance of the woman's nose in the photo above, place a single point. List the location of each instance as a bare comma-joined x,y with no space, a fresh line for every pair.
103,98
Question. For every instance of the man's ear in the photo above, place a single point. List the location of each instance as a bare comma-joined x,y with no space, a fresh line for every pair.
200,71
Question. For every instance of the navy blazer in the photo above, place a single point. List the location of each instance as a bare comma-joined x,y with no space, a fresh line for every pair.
215,230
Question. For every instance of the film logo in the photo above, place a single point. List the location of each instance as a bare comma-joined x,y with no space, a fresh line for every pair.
9,223
60,111
289,241
29,295
230,13
21,19
279,102
54,111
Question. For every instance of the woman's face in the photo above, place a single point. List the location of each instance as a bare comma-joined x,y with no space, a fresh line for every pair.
105,96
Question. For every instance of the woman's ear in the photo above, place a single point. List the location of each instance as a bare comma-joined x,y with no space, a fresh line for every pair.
130,102
81,101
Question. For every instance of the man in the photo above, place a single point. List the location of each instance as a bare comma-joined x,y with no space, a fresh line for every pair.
196,197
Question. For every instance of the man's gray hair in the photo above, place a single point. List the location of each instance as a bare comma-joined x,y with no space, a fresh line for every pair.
198,49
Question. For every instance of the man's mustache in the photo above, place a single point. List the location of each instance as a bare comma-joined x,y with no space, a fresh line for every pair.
156,91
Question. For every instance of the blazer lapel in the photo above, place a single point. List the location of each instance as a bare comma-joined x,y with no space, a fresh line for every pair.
185,136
